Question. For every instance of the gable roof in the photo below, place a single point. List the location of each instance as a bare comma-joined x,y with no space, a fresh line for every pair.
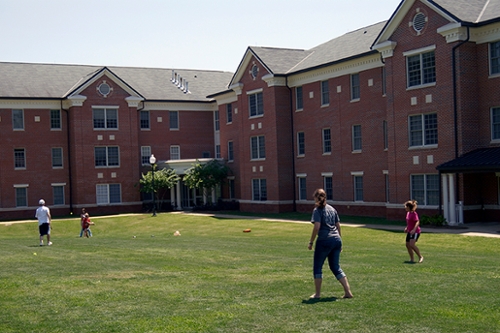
27,80
479,160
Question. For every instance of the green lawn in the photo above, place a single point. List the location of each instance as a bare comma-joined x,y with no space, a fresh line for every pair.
215,278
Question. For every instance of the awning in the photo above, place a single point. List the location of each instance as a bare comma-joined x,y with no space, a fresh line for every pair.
479,160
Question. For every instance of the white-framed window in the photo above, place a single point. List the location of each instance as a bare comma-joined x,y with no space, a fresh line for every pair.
57,157
387,193
423,130
425,189
325,93
144,120
108,194
494,58
105,118
328,186
299,103
58,194
258,147
217,151
420,68
232,188
174,120
229,113
355,87
259,189
356,138
18,120
302,183
175,152
327,140
256,104
21,192
384,81
106,156
55,119
358,187
495,123
216,120
230,151
301,144
145,155
19,158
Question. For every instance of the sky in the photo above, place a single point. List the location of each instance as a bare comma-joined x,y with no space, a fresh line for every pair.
189,34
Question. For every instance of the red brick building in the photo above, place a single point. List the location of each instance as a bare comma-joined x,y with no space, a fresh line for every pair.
403,109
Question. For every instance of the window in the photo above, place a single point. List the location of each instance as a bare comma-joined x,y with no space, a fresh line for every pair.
259,189
230,151
21,197
58,193
19,158
386,187
106,156
108,194
421,69
217,151
355,88
300,98
55,119
144,120
256,104
145,155
327,141
229,113
175,152
425,189
174,120
328,186
356,138
57,158
232,188
105,118
325,93
495,58
385,131
205,154
216,120
358,188
301,144
423,130
18,119
258,147
302,188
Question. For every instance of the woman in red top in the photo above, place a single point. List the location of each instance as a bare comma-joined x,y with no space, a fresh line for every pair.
412,230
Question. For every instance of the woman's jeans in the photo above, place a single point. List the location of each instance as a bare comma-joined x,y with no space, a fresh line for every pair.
328,248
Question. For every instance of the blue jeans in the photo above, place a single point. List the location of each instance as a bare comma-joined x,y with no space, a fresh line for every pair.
328,248
90,232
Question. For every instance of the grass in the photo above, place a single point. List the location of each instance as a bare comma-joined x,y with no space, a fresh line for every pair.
215,278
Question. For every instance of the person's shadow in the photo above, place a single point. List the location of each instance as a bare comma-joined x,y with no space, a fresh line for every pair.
319,300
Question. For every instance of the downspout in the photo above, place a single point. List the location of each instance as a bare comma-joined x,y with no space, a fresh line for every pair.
293,150
455,116
70,175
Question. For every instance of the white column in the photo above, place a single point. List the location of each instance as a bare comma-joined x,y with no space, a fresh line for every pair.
446,202
179,199
204,196
453,215
213,196
172,196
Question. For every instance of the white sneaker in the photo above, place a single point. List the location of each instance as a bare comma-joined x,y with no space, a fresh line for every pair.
50,243
41,243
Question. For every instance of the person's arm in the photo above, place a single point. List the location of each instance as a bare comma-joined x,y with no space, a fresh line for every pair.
414,230
337,224
314,234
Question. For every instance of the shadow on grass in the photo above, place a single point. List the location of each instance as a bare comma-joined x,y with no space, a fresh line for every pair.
319,300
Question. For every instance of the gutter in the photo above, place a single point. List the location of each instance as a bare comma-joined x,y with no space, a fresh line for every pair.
70,174
293,146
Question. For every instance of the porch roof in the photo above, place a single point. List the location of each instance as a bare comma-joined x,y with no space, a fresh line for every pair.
479,160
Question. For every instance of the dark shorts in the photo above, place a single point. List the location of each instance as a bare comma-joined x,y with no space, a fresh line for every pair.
409,236
44,229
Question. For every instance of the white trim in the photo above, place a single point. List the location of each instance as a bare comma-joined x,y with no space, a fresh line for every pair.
420,50
255,91
357,173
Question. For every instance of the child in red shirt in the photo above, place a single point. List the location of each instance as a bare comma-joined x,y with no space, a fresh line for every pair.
412,230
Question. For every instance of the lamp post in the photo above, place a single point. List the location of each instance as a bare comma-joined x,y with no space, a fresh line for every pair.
152,161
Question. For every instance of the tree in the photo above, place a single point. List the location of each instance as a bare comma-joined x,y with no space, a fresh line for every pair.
206,177
164,179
